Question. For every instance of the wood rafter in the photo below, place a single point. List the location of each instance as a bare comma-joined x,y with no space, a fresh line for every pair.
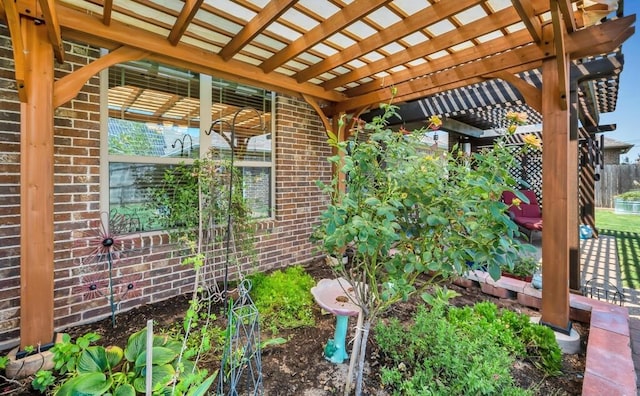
394,32
68,86
13,22
166,106
559,33
467,55
184,19
335,23
53,28
586,42
264,18
566,10
118,33
482,26
529,18
107,9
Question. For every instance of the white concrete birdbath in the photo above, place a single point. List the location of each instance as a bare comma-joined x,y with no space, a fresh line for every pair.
336,296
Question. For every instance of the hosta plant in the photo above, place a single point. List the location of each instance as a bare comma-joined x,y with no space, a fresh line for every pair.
98,370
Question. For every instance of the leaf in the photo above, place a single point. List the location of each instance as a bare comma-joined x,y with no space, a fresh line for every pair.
160,376
86,384
372,201
204,387
159,356
136,345
494,271
114,355
272,342
93,360
125,390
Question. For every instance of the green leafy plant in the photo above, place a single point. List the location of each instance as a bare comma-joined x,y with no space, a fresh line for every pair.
42,380
525,266
430,356
95,369
512,331
194,198
406,213
283,298
633,195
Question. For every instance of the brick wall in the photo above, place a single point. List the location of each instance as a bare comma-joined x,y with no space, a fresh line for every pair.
148,261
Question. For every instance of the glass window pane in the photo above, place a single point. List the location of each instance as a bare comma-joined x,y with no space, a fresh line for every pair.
154,110
247,112
152,140
131,191
257,190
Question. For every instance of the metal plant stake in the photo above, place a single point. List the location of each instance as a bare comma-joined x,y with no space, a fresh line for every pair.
106,247
241,368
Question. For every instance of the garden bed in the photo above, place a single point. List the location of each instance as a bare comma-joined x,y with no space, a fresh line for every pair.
298,366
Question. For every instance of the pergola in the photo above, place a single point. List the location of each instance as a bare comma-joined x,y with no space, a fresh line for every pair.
341,56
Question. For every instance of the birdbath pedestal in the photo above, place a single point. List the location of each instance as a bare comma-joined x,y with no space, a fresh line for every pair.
336,296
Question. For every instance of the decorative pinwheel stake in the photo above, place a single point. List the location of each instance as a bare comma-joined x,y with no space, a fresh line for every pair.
105,248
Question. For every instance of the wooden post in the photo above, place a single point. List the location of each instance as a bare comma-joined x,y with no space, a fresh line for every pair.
555,187
36,189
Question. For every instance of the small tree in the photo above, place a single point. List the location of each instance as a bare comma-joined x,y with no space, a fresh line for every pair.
406,213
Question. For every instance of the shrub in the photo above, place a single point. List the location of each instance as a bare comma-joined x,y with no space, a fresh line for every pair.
633,195
465,350
284,298
434,357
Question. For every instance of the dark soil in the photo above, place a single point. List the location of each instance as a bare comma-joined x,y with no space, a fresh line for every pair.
298,367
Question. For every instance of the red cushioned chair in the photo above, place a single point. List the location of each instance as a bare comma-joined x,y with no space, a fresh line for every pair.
527,216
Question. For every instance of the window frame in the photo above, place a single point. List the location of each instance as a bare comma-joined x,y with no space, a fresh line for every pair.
205,109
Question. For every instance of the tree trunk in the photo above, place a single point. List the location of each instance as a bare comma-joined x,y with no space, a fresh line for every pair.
361,356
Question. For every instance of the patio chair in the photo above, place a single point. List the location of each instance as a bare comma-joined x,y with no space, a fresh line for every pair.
528,216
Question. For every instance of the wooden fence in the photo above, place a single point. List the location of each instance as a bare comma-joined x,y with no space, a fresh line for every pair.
614,180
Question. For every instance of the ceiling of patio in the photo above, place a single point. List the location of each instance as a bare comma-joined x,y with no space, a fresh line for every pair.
346,54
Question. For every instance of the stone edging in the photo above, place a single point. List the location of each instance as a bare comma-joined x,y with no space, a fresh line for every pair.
609,366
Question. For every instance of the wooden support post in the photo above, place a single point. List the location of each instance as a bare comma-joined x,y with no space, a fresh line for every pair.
36,189
555,188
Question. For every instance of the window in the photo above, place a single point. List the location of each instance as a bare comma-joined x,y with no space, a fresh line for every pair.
153,118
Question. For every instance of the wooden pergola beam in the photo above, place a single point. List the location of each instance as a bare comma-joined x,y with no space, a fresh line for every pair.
479,51
566,9
187,13
84,27
13,23
529,18
68,86
268,14
329,27
482,26
53,28
394,32
107,9
585,42
316,106
560,51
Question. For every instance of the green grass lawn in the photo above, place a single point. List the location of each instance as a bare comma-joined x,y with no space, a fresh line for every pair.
626,229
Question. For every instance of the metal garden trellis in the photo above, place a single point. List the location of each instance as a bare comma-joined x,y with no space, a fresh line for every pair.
241,367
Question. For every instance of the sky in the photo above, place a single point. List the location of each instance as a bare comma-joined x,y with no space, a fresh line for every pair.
627,114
